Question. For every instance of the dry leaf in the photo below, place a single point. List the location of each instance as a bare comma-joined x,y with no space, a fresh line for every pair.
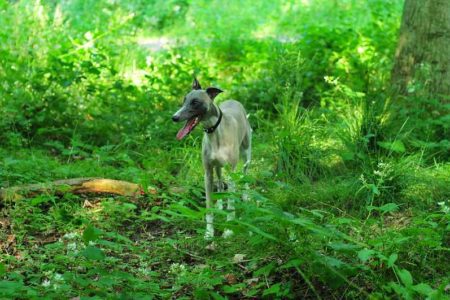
230,278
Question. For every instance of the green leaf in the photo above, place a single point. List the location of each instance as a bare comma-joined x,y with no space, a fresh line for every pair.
201,294
10,286
375,189
93,253
389,207
344,221
392,259
129,206
41,199
399,290
423,289
90,234
333,262
395,146
365,254
274,289
348,155
405,277
258,231
229,289
2,269
216,296
340,246
291,263
266,270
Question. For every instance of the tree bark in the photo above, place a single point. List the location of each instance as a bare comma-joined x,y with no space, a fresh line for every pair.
423,52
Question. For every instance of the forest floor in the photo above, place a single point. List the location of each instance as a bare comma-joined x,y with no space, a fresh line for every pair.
152,244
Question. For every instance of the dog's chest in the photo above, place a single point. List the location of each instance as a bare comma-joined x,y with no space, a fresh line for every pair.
220,154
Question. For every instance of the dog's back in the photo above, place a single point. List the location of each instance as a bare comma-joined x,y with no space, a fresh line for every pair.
236,110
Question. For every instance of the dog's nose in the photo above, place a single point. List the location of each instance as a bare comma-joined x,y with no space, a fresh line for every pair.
175,118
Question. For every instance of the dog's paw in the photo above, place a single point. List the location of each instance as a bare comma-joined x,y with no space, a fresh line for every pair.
227,233
211,247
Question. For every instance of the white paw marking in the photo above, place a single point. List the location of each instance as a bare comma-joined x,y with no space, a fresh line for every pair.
227,233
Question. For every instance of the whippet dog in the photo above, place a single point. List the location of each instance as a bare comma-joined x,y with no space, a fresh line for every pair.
227,138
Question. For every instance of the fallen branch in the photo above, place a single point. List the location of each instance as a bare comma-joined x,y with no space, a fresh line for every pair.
75,186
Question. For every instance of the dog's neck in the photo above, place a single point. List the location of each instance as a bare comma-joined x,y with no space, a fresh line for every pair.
211,117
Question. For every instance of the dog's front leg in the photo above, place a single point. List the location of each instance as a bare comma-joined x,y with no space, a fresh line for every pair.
230,208
230,205
209,214
219,203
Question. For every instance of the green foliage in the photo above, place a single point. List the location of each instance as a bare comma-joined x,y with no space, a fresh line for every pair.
348,192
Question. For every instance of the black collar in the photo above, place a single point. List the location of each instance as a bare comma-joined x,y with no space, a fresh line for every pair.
212,129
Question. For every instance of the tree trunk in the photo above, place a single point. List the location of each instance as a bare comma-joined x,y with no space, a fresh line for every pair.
422,58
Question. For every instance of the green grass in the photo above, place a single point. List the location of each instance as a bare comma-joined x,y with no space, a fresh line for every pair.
349,198
319,237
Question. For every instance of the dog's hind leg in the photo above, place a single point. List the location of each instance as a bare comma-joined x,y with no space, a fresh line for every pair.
219,203
231,211
230,203
246,150
209,215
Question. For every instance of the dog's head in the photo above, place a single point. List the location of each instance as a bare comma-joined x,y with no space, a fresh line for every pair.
196,105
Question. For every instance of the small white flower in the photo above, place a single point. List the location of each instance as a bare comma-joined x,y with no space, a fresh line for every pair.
445,209
70,235
46,283
58,277
177,268
363,179
145,271
72,246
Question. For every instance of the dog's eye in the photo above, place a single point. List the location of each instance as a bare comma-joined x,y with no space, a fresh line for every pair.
194,102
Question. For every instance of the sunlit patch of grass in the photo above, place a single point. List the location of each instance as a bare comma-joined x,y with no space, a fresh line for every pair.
427,186
334,193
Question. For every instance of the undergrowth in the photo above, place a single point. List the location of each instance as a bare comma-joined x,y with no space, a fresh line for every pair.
349,196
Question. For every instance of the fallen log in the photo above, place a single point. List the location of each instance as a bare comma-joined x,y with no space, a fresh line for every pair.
75,186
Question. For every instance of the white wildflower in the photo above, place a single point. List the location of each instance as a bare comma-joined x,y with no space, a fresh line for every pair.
70,235
58,277
46,283
177,268
72,246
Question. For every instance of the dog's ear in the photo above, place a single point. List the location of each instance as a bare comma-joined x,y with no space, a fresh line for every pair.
213,92
196,85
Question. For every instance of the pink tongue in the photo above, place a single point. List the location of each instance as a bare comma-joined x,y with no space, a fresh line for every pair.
186,129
